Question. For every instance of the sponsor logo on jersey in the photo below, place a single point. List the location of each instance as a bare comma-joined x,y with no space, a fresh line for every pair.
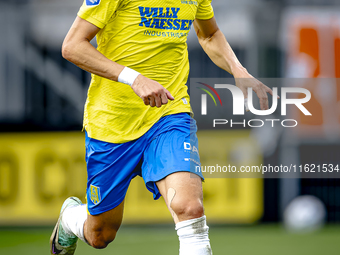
92,2
95,194
163,18
189,2
188,147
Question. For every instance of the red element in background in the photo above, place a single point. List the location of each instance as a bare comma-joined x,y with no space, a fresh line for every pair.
213,90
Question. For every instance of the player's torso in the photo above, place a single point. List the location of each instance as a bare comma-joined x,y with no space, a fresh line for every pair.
148,36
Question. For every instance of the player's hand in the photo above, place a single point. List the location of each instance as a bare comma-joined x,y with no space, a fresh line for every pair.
248,81
151,92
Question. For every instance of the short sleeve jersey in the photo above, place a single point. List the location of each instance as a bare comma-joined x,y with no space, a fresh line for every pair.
150,37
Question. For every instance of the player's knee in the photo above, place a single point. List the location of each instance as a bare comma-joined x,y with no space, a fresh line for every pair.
187,209
102,239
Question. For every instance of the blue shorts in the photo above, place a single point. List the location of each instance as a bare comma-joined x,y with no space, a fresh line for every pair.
169,146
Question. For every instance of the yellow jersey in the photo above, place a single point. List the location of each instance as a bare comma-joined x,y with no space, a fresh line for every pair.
150,37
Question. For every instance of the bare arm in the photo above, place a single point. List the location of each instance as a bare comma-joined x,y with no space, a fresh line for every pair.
218,49
78,50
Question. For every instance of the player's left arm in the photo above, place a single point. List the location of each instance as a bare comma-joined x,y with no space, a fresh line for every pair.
218,49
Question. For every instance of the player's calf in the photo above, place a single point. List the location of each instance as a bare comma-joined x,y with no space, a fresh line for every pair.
192,229
183,195
100,238
101,229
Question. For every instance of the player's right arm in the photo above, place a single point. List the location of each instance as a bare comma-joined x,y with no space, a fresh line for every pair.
78,50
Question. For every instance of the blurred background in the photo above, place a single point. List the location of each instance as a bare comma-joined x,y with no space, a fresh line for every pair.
42,149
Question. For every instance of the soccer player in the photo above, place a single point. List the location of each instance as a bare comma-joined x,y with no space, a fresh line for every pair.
137,114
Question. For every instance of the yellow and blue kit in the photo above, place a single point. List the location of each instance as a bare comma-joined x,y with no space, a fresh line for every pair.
125,138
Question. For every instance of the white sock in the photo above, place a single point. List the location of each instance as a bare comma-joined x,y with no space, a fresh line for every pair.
193,237
73,221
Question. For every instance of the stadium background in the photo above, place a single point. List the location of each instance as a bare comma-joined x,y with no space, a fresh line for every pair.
41,146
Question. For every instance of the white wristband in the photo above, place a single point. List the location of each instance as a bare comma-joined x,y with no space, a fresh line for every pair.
128,76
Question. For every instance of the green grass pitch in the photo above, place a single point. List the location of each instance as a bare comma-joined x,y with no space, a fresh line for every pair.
149,240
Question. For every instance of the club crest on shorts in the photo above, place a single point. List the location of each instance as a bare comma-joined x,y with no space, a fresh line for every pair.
92,2
95,194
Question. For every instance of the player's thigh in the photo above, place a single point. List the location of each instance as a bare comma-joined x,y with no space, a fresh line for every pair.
183,195
110,169
173,150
